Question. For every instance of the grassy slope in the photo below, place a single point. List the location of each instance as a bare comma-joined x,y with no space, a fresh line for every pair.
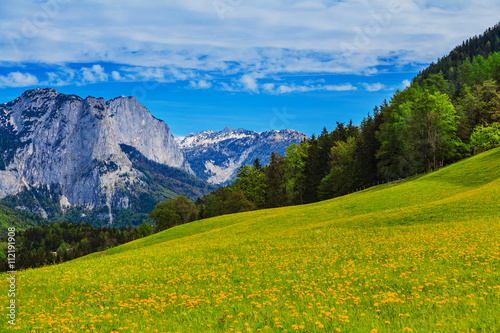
417,256
19,219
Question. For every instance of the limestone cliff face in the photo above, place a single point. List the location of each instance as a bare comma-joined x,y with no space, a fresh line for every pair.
64,141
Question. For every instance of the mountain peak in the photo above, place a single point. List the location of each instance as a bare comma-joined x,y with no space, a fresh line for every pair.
39,91
227,129
216,156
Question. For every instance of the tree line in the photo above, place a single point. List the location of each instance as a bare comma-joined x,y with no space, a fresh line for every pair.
59,242
432,123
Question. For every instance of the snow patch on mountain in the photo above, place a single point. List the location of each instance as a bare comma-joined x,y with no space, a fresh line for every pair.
217,156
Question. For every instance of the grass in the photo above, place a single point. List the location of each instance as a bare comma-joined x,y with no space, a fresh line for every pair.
417,256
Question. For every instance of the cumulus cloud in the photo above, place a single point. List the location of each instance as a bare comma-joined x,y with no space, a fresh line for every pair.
201,84
94,74
374,86
283,89
249,82
277,88
18,79
342,87
116,75
406,83
268,87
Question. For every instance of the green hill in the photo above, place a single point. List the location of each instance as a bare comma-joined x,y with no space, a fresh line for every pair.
420,255
18,219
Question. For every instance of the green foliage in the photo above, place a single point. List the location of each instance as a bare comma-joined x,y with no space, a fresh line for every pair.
485,138
143,230
59,242
213,203
294,171
173,212
344,175
391,156
275,181
20,219
428,129
251,180
164,216
183,207
477,48
237,203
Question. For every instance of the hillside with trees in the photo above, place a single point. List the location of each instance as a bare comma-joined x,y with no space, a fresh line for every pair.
19,219
451,111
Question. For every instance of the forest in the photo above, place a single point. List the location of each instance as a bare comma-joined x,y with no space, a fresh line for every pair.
59,242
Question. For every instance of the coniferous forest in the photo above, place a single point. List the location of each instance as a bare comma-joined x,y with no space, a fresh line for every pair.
60,242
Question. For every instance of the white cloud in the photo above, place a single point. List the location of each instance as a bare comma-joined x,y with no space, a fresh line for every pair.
17,79
94,74
283,89
374,86
249,82
278,89
268,87
63,76
342,87
176,40
201,84
406,83
116,75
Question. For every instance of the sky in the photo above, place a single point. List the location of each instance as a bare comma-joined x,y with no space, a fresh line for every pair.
254,64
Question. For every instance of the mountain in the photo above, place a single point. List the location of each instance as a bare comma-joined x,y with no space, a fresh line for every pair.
61,152
216,156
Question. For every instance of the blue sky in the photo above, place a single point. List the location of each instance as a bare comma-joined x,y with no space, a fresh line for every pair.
207,64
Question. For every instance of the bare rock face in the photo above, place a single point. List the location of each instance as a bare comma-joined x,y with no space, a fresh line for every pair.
216,156
55,140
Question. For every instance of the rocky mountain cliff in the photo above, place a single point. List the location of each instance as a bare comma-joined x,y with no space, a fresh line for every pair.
68,158
216,156
77,151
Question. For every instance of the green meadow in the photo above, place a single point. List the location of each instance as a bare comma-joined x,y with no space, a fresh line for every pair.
419,255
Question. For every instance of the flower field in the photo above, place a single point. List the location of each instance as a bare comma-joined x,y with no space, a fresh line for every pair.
421,255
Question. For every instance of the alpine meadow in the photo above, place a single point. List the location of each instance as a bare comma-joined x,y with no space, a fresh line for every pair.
420,255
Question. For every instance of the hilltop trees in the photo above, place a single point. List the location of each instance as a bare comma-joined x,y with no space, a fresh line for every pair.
173,212
344,172
485,138
294,172
427,129
237,203
251,180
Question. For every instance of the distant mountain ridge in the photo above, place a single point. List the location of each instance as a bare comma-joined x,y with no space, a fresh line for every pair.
69,148
216,156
